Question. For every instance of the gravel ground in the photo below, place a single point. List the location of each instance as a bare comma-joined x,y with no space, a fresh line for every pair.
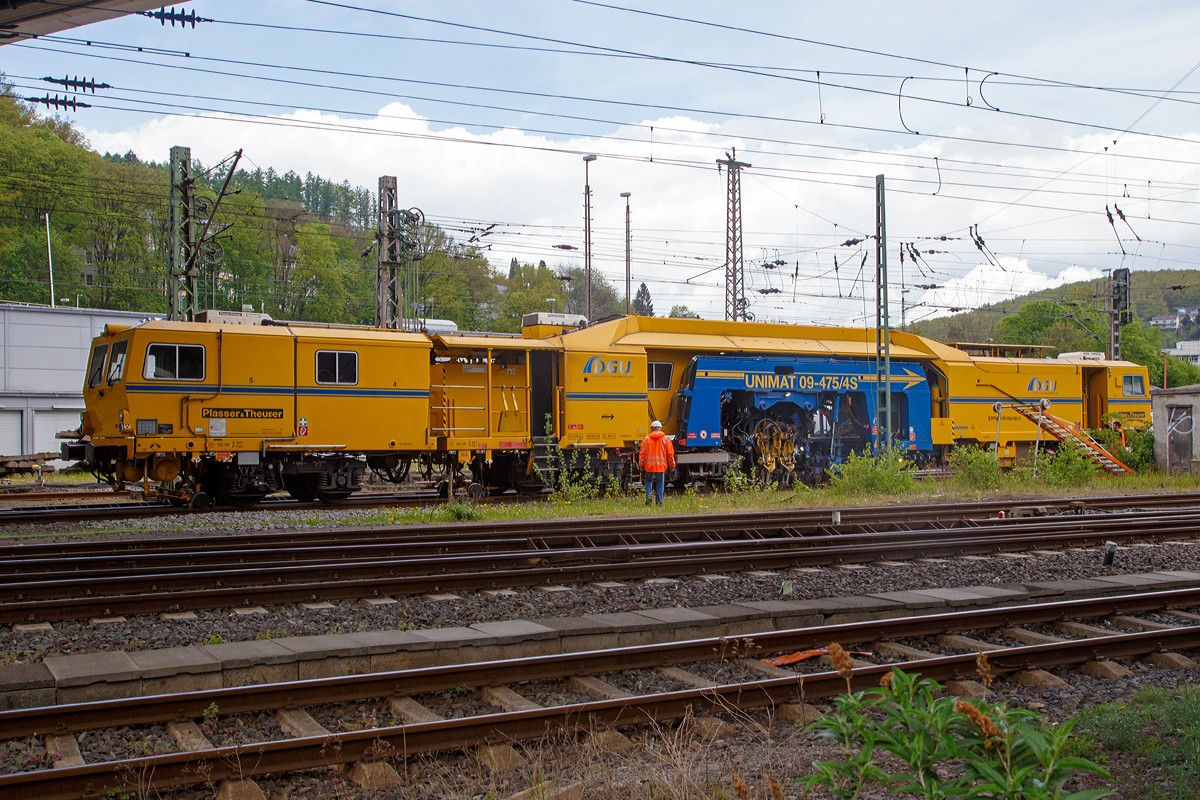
344,717
644,681
23,755
148,632
456,704
214,523
552,693
116,744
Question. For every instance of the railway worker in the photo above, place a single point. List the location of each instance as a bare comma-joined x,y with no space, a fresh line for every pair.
656,457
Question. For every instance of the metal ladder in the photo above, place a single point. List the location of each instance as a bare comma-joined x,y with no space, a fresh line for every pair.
545,459
1068,431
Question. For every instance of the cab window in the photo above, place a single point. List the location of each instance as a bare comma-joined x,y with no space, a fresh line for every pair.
116,364
174,362
1133,386
96,370
658,374
337,366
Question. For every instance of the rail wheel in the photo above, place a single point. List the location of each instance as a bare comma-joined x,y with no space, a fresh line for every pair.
334,495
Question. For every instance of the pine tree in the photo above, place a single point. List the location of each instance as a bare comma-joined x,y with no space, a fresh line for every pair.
641,302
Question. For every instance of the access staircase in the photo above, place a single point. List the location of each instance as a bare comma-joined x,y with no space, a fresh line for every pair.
1070,432
546,460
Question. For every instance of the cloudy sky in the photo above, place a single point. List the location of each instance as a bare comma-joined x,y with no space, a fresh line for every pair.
1031,121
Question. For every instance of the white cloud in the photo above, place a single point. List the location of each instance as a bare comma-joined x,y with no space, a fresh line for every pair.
989,283
535,182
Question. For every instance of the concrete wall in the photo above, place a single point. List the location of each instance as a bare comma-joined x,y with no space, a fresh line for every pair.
1161,400
43,359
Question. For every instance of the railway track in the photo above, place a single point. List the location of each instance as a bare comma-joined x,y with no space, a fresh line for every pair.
124,508
128,509
703,677
50,582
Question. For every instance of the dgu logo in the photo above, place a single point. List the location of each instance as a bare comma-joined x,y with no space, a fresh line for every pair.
1036,385
597,366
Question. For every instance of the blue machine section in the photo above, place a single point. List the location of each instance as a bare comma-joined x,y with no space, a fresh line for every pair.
826,405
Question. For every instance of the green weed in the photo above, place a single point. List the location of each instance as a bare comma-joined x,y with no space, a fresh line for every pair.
460,512
271,633
889,472
1161,727
975,469
944,747
1067,468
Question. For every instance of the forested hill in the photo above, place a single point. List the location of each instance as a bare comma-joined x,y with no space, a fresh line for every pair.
295,248
1067,319
1051,314
322,198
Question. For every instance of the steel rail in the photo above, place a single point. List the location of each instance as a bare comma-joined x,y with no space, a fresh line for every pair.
562,547
43,599
13,516
246,761
247,699
14,497
143,509
438,558
901,516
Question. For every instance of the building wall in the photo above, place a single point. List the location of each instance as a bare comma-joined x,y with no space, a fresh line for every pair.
1161,400
43,359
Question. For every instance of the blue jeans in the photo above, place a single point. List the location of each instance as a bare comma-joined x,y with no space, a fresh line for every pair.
656,484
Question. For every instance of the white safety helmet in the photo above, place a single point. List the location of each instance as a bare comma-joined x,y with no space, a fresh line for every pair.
655,424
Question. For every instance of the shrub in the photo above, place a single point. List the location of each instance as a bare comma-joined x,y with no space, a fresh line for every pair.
1067,468
1138,451
461,512
944,747
975,468
886,473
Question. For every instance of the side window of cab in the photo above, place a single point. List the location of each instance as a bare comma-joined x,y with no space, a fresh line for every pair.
1133,386
337,366
174,362
658,375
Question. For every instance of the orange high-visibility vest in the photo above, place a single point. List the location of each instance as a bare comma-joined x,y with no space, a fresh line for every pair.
658,454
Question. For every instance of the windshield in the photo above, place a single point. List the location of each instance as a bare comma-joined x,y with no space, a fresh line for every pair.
96,370
116,364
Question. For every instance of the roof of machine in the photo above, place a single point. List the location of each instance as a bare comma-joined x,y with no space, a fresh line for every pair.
751,337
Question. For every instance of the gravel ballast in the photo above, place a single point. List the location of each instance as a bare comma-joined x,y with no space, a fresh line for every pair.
148,632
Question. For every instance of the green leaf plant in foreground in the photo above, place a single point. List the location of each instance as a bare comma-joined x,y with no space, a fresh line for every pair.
944,747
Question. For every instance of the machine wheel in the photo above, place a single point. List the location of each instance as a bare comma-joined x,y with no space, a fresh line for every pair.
476,491
199,501
334,495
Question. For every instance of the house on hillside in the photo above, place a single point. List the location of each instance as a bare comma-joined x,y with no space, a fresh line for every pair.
1165,323
1185,351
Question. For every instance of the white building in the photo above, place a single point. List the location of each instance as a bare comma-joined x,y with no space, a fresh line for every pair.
43,360
1185,351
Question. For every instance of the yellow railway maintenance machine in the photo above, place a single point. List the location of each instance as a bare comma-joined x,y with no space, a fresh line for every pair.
236,406
794,400
231,412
